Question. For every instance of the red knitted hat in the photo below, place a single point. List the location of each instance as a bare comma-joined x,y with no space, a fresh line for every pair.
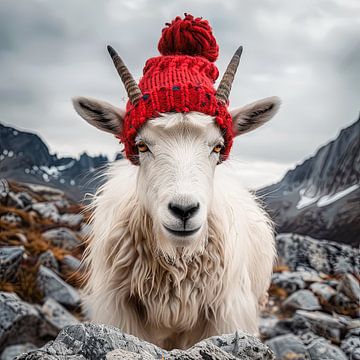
180,80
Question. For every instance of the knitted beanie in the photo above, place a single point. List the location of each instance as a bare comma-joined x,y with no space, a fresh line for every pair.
180,80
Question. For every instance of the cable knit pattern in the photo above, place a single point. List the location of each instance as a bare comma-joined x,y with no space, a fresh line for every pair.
180,80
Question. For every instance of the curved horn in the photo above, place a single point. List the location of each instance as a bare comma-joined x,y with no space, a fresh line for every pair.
131,87
224,88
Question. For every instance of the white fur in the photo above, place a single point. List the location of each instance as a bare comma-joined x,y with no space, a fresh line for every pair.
168,290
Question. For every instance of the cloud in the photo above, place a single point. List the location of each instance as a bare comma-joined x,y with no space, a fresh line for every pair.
308,53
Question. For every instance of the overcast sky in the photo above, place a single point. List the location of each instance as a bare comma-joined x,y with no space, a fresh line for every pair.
306,52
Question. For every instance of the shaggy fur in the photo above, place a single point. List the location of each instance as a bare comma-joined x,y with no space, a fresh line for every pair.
175,300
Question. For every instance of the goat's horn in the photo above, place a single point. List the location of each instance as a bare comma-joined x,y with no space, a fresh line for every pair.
224,88
132,88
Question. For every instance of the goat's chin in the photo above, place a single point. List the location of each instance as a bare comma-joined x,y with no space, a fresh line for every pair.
172,245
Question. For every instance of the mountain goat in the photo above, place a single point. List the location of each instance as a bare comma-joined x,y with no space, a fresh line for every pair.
179,250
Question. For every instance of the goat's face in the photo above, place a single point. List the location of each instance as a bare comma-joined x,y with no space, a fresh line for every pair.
178,154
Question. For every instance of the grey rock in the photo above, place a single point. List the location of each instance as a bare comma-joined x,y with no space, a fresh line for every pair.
72,220
320,323
12,351
272,327
349,285
10,259
351,344
4,190
48,259
343,305
11,219
288,281
322,349
323,291
57,316
19,322
62,237
91,341
19,200
302,299
47,210
288,347
53,286
71,262
323,256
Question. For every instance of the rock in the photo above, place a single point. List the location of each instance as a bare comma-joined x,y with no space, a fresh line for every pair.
302,299
351,344
288,281
322,349
71,263
19,200
10,259
323,291
62,237
47,210
11,219
71,220
288,347
19,321
323,256
272,327
48,259
343,305
4,190
57,316
320,323
95,341
12,351
53,286
350,287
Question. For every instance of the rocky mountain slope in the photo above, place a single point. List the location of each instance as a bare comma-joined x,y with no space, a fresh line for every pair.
321,196
25,157
312,312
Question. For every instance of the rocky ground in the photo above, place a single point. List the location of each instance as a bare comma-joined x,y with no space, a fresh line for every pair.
312,313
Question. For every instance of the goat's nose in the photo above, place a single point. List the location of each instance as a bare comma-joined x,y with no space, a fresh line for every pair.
184,212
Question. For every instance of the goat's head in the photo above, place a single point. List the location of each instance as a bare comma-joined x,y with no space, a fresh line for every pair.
177,151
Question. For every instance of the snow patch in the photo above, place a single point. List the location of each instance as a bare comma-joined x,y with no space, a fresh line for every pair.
328,199
305,200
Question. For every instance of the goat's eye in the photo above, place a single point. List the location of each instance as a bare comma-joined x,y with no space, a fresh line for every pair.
217,148
142,147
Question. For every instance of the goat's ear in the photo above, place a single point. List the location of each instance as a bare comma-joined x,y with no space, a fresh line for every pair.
100,114
250,117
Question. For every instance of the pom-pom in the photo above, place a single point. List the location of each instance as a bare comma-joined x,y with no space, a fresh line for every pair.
189,36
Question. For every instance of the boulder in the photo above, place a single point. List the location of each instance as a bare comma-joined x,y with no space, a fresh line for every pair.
351,344
19,322
349,286
302,299
322,349
94,341
62,237
323,256
10,259
47,210
71,263
48,259
323,291
19,200
288,281
56,316
12,351
11,219
271,327
288,347
4,191
53,286
320,323
71,220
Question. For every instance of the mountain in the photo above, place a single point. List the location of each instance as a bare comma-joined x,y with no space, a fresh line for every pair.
25,157
321,196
